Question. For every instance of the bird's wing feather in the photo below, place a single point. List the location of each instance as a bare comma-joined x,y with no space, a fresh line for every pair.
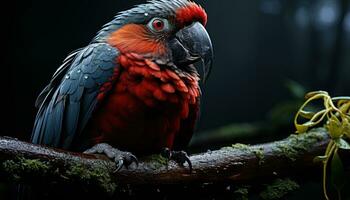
67,103
60,72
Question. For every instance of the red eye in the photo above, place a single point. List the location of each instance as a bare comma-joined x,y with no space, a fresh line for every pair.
158,25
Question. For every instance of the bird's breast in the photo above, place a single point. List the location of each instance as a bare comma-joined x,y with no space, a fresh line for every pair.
145,107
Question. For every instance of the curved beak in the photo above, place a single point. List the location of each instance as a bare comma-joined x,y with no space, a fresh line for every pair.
190,45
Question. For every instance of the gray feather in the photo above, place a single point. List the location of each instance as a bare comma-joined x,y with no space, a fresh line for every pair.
69,101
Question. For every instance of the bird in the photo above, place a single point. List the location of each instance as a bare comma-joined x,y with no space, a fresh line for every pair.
135,89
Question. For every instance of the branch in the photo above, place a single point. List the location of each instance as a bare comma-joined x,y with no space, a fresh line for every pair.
26,162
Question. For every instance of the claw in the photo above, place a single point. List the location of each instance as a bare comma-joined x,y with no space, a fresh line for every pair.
134,160
89,151
189,163
119,164
166,153
128,160
120,158
180,157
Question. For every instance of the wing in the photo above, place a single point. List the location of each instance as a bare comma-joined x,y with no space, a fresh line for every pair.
183,138
56,78
67,103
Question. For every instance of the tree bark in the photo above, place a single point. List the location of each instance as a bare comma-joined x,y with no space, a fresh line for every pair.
25,162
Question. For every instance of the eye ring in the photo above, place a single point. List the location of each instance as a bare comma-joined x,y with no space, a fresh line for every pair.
159,25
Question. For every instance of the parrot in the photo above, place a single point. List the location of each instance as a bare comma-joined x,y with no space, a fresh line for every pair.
134,90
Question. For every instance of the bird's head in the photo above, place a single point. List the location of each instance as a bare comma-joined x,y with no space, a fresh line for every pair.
169,32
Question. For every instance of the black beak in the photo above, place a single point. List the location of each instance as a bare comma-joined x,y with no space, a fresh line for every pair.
191,45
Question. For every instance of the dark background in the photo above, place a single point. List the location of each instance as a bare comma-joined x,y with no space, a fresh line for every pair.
259,46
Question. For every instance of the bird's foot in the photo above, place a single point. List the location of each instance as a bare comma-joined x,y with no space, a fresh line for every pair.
121,158
180,157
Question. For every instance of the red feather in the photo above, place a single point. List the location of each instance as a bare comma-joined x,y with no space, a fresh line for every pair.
192,12
143,113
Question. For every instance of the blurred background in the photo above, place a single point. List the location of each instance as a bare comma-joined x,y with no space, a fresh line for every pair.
263,50
268,53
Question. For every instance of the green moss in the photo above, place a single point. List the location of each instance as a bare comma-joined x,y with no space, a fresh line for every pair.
98,176
291,148
298,144
242,193
243,147
19,166
11,167
156,161
229,148
259,153
35,165
288,151
278,189
22,164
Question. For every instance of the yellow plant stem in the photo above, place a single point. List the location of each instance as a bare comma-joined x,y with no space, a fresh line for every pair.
337,111
330,149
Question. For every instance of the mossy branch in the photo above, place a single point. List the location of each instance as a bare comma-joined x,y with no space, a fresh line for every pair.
25,162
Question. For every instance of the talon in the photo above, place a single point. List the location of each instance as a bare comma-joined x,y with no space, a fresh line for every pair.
189,163
119,163
166,153
180,157
120,158
128,160
90,151
134,160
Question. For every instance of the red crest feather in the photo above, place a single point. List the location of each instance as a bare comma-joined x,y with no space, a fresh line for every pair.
192,12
